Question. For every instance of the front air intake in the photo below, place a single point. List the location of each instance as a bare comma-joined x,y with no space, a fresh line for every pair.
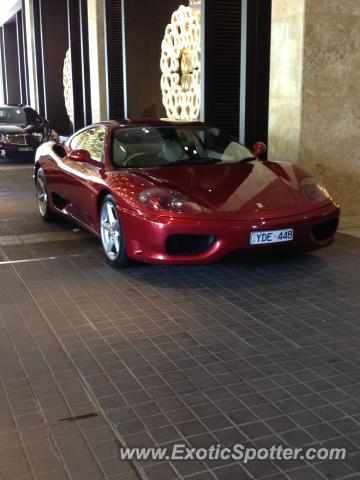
189,244
325,230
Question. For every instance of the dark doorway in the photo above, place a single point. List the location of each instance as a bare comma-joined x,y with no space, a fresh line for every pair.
10,56
257,71
50,18
145,22
223,50
77,13
222,64
22,53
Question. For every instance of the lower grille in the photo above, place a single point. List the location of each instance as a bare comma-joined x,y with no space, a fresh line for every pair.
325,230
189,244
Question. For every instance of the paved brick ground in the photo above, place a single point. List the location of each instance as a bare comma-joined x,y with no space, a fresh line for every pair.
255,351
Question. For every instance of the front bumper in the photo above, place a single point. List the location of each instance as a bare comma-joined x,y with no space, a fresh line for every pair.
10,150
146,240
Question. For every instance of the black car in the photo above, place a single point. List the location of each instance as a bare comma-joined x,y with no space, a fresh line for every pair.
22,130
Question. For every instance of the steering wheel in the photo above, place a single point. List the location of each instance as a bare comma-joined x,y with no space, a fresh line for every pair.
128,161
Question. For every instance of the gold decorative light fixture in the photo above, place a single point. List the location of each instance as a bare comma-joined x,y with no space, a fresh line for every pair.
180,64
68,87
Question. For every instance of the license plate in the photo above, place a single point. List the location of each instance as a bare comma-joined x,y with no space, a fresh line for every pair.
272,236
25,149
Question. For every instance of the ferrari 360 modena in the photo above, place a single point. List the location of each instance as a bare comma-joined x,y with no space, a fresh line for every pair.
180,193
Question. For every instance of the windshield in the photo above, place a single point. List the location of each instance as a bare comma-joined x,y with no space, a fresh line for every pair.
152,146
12,115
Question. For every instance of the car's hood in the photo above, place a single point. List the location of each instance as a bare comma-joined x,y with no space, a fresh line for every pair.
242,191
12,128
20,128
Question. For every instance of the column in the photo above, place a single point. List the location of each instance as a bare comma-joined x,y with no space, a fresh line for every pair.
96,19
28,12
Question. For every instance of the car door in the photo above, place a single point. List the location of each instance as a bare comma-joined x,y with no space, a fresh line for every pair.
81,180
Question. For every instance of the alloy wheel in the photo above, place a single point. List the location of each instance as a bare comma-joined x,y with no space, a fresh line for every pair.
41,194
110,230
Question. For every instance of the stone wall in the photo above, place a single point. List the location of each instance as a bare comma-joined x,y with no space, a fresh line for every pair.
286,79
315,92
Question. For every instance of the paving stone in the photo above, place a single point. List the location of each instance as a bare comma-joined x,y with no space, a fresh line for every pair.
334,470
16,471
230,472
305,473
161,470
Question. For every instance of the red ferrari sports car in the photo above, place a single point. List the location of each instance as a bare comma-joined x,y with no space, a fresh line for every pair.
180,193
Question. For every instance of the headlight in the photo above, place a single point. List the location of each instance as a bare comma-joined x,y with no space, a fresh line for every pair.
36,135
313,190
164,200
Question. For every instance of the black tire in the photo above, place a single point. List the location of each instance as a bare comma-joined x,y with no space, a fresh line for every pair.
42,196
115,253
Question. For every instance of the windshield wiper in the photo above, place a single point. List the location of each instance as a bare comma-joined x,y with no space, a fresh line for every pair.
193,161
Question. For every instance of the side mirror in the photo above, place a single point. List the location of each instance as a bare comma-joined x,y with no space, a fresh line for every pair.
259,148
82,156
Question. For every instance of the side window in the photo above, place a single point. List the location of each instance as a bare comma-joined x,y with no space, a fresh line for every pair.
92,140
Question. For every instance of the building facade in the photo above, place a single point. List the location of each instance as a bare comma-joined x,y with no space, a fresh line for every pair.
284,72
114,47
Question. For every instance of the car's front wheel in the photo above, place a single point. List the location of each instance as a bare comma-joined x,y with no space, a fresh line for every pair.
112,235
43,196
